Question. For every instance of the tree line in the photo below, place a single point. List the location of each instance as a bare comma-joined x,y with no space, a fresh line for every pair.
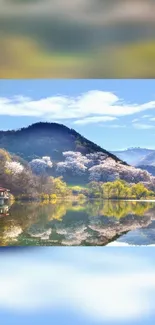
119,189
32,180
23,183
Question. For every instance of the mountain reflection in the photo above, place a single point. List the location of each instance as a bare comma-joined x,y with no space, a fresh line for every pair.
73,223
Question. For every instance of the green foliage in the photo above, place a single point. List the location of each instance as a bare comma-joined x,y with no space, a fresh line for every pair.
60,188
107,189
44,196
139,191
4,156
53,196
81,197
118,190
95,189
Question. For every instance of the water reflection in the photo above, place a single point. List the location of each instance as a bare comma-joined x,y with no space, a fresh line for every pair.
4,210
74,223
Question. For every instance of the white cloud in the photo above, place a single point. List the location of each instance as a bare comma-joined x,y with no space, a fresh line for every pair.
117,243
99,103
88,289
143,126
95,119
146,116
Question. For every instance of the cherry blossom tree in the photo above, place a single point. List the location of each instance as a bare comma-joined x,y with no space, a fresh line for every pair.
73,156
48,161
78,164
73,167
96,158
100,167
40,166
14,167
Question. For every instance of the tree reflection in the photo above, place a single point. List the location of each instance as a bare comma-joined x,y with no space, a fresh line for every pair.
72,223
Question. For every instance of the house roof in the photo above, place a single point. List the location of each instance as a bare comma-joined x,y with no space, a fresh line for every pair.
3,189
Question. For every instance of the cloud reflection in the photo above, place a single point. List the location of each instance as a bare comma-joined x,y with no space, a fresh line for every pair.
81,280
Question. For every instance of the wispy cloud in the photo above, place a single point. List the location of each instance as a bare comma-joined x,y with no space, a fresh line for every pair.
113,126
146,116
86,284
101,104
143,126
95,119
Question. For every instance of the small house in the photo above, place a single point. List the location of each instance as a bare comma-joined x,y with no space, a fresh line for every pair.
4,195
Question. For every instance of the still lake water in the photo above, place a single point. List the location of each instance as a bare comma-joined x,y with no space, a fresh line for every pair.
96,223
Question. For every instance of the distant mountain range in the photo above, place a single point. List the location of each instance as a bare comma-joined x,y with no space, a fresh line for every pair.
139,157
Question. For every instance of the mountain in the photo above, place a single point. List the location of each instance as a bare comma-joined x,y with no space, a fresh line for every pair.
57,150
47,139
134,156
139,157
149,169
148,160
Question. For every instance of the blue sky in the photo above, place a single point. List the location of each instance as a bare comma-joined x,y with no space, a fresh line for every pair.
83,285
115,114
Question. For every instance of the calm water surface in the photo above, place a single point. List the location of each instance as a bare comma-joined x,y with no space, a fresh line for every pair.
74,223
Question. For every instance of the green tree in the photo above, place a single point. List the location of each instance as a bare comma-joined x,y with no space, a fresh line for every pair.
95,189
139,191
107,189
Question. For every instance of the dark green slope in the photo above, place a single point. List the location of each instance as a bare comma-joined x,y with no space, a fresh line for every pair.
47,139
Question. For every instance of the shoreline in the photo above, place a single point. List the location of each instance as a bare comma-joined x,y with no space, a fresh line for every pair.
76,199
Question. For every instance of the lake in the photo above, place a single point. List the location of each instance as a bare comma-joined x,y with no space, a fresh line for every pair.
93,223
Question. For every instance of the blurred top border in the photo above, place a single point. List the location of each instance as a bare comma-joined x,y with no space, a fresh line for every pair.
77,39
